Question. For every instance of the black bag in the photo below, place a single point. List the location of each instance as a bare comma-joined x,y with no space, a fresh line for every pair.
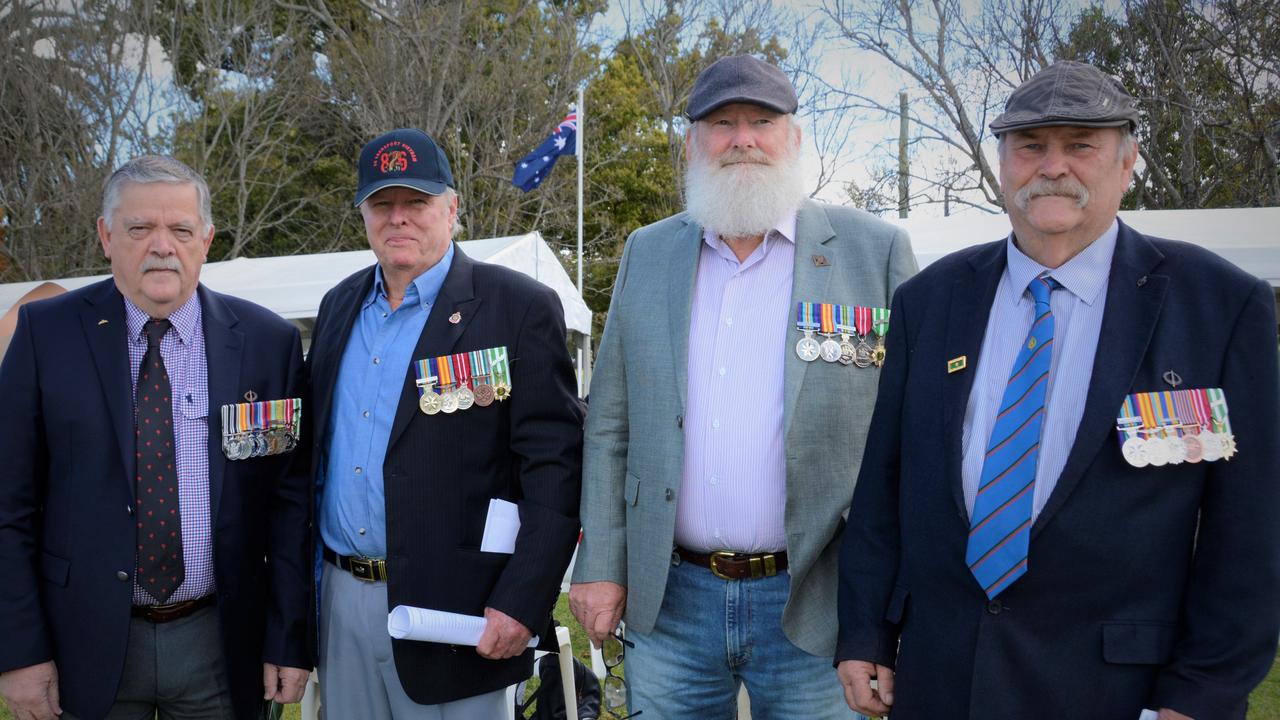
547,701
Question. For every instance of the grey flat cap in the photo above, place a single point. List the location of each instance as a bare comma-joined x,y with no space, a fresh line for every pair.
741,78
1068,93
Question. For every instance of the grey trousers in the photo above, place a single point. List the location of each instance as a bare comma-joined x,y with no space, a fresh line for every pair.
173,669
358,677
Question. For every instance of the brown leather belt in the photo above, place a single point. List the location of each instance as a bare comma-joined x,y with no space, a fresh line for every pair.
737,566
169,612
367,569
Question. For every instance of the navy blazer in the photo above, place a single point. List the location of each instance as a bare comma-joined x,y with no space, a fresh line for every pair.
67,532
1146,587
440,471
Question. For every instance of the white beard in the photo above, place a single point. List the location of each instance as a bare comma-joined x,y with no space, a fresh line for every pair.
745,199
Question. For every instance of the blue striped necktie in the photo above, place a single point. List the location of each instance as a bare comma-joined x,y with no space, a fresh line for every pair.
1000,526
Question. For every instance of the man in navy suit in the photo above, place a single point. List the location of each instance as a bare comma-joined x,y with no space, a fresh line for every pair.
443,387
145,571
1068,504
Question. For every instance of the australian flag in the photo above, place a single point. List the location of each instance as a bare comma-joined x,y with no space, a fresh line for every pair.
534,167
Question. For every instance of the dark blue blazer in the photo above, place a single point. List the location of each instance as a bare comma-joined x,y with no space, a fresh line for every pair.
1146,588
67,532
440,471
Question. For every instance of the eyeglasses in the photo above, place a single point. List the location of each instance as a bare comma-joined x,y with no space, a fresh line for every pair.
615,687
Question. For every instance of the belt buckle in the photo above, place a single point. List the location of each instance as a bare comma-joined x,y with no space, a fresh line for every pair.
719,555
365,569
763,566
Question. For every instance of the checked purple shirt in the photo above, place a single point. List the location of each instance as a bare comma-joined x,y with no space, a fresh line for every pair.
184,358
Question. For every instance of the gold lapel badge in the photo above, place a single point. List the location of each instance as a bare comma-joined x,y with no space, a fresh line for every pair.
455,318
103,321
820,261
957,364
251,396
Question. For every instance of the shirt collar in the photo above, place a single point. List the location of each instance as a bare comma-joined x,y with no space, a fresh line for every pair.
1084,275
422,291
784,228
185,320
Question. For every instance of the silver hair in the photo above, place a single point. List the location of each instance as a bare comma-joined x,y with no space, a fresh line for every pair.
456,229
154,169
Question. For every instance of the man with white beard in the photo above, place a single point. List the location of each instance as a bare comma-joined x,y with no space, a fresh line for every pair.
729,407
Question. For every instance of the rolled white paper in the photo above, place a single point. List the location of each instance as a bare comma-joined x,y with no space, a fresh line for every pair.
415,623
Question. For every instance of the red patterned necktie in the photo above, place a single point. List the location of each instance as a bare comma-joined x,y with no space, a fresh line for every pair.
160,569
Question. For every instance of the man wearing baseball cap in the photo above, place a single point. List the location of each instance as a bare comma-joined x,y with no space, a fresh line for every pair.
445,406
729,403
1068,506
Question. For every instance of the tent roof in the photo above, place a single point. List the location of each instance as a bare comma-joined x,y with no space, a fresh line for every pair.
293,285
1247,237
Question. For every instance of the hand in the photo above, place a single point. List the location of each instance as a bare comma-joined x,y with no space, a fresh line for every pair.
283,684
503,636
32,692
598,606
856,676
1167,714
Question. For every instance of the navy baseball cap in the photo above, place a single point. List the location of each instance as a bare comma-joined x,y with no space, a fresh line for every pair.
403,158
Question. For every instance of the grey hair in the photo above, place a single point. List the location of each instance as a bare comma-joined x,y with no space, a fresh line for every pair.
456,228
154,169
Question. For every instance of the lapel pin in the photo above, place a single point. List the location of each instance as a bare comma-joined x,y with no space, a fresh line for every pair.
957,364
103,321
455,318
820,261
1173,378
251,396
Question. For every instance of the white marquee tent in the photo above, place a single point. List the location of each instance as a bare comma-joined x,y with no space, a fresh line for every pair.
293,285
1248,237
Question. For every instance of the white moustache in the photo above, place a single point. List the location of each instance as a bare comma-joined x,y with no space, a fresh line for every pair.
155,263
1065,187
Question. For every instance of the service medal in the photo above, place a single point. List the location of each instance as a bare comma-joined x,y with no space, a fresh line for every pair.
1195,450
465,397
429,402
808,349
1157,451
830,350
1134,450
484,395
449,402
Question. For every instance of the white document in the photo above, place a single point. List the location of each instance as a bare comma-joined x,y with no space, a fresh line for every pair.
501,526
1148,715
414,623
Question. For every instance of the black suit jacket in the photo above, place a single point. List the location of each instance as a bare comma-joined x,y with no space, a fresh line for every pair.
67,532
441,470
1146,587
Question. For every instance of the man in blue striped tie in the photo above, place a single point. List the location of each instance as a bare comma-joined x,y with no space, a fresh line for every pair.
1022,546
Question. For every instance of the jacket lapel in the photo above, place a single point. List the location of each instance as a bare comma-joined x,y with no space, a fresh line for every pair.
105,330
808,284
441,334
681,275
224,349
968,309
1135,297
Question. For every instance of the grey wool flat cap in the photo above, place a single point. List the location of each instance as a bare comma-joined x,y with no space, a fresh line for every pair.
1068,93
741,78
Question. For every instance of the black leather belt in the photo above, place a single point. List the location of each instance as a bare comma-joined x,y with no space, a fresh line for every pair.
169,612
737,566
367,569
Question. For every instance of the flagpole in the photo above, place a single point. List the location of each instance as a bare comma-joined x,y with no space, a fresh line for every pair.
578,152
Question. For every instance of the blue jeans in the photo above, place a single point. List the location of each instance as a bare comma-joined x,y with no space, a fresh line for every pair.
713,635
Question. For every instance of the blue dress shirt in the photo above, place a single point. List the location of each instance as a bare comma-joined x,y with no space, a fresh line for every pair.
378,355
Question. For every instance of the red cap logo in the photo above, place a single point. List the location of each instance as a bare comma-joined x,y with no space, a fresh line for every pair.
395,156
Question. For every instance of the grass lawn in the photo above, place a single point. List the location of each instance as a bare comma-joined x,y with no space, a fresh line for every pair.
1264,703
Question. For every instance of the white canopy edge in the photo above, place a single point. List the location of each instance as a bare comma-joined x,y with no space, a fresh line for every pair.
1246,237
293,285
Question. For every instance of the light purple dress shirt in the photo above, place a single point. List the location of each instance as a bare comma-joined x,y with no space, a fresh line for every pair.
182,349
734,490
1077,319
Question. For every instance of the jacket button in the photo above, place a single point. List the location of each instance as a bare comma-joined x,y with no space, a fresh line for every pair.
995,607
669,494
122,576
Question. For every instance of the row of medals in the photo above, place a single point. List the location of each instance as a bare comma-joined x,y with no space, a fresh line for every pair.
844,352
460,397
259,443
1173,450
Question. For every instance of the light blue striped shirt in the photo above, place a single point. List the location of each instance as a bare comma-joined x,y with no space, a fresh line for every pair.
1077,316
